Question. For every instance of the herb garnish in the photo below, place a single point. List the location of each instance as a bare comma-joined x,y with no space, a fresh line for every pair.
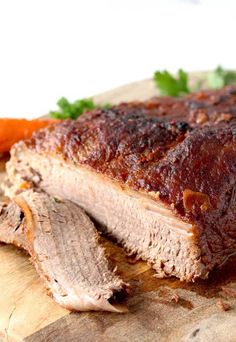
72,110
172,86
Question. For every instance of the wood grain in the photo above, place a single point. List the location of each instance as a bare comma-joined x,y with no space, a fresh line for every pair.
154,314
150,319
24,304
160,309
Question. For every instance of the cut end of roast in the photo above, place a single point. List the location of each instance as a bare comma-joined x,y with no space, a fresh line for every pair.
139,222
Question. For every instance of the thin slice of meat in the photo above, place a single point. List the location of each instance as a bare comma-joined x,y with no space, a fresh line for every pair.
12,221
63,245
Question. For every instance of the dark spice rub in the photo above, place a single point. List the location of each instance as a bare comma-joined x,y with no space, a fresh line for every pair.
164,191
119,143
201,108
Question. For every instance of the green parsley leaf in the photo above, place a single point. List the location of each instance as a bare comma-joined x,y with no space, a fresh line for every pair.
172,86
219,78
72,110
68,110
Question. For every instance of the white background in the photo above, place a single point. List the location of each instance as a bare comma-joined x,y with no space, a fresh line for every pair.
50,49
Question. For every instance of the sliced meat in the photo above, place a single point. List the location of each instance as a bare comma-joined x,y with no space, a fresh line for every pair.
63,245
164,191
12,221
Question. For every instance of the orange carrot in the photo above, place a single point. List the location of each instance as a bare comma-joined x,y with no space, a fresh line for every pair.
13,130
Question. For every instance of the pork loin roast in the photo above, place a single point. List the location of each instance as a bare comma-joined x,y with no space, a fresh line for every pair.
165,191
63,245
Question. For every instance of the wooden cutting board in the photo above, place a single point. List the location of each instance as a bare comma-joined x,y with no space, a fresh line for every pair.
159,309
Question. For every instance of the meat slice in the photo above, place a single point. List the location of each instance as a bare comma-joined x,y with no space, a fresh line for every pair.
164,191
11,224
63,245
200,108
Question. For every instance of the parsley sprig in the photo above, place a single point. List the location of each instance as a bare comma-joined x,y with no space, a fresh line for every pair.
172,86
72,110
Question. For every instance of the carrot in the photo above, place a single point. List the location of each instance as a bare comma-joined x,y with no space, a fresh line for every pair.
13,130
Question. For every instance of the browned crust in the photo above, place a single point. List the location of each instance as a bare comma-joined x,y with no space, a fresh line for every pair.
121,144
29,226
197,109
